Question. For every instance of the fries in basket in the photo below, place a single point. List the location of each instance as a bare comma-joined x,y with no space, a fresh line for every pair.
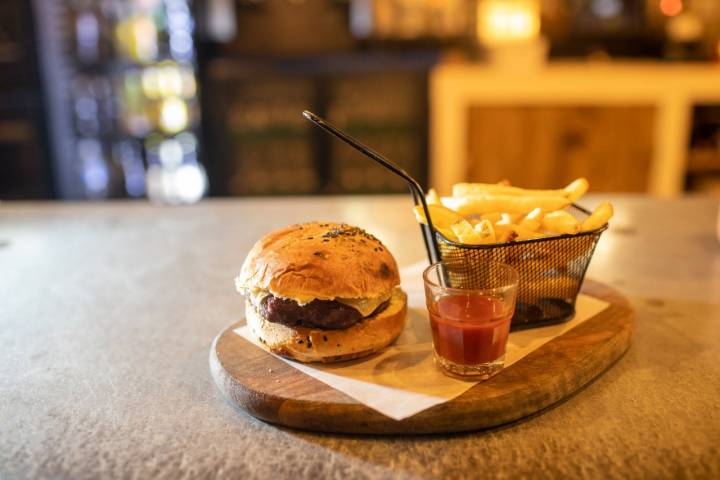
488,213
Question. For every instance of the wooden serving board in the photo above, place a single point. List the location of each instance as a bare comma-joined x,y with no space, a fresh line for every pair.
273,391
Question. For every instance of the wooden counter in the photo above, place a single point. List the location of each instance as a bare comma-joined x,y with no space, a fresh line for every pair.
664,93
108,311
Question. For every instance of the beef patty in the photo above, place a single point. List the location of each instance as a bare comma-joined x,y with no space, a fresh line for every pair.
327,314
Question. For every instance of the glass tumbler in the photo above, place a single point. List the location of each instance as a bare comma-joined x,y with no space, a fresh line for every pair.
470,319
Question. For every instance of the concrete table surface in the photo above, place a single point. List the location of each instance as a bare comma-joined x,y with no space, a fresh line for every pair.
107,312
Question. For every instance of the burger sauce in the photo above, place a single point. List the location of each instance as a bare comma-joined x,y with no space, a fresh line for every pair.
469,329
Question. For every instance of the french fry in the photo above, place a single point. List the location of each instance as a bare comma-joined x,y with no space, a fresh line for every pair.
469,235
462,228
480,189
532,220
442,219
486,229
598,218
447,233
492,217
483,213
441,216
506,231
432,197
560,222
505,219
577,189
472,205
573,191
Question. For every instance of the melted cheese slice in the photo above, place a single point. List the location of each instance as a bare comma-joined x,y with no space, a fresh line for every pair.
363,305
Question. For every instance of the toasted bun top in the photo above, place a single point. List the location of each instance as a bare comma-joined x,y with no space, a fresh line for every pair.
320,260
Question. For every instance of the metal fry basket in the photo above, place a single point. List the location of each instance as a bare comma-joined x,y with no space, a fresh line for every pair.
551,269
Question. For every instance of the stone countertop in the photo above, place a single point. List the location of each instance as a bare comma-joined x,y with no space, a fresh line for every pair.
108,310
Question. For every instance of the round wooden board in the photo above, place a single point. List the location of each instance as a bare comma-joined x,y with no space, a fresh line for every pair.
546,376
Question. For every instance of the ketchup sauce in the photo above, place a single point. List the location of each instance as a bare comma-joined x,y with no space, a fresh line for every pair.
470,329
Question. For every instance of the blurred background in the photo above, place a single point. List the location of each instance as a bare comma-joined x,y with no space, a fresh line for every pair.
174,100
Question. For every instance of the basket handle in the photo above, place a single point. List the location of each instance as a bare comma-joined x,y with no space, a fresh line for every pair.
428,230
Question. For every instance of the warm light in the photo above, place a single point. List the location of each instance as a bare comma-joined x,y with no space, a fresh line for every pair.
671,8
151,82
170,81
173,115
137,38
504,21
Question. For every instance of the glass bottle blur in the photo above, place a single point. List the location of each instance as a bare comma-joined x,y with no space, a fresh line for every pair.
134,99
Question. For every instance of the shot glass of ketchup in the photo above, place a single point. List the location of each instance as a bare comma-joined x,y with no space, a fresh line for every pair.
470,315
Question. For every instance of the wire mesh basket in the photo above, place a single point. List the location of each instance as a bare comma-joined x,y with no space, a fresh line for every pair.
551,270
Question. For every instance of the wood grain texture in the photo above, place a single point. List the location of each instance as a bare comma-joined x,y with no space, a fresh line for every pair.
549,146
271,390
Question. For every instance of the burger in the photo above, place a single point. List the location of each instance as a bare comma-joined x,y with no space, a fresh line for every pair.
322,292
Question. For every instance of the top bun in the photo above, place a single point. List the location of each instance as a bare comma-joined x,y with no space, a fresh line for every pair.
320,261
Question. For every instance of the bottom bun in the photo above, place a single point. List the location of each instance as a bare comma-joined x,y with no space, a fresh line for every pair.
317,345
